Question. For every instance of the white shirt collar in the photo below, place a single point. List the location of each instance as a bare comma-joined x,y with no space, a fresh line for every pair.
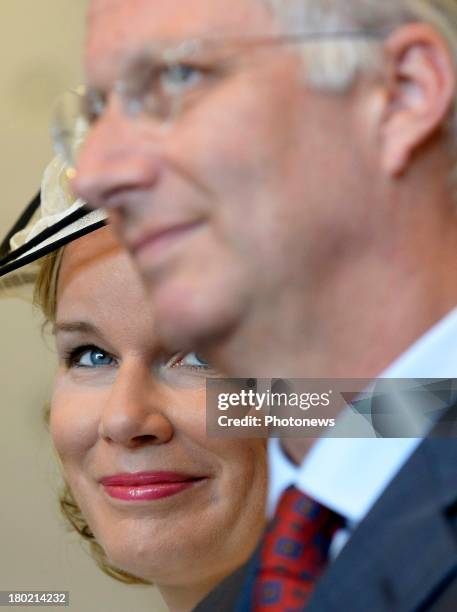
349,475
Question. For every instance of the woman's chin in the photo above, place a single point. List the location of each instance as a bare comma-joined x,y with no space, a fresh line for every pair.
171,562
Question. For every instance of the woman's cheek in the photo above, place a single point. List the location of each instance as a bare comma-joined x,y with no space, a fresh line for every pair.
188,413
74,418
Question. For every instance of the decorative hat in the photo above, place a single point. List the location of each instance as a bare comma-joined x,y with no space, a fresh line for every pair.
52,220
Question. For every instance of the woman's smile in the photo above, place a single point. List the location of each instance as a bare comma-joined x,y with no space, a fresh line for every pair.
128,420
148,486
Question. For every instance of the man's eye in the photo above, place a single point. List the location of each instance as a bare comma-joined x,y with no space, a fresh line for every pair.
179,77
89,357
92,106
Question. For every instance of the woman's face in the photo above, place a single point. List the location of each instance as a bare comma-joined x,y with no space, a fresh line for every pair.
166,503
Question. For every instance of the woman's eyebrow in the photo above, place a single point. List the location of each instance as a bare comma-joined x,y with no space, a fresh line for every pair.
76,327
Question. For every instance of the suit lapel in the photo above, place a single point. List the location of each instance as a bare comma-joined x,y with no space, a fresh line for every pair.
405,549
224,596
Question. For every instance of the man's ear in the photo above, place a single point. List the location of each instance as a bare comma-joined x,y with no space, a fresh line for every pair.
420,86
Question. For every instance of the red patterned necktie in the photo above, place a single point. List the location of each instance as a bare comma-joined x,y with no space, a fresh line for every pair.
294,553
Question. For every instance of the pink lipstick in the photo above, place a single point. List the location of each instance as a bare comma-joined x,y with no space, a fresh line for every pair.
147,486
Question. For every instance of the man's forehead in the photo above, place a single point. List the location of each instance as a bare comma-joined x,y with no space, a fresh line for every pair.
181,10
178,16
115,26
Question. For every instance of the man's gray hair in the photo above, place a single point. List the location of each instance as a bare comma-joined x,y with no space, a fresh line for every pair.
333,65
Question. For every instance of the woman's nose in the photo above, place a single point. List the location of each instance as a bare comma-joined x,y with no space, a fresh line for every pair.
135,412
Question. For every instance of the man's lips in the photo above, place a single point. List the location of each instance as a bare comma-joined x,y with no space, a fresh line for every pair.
160,236
143,486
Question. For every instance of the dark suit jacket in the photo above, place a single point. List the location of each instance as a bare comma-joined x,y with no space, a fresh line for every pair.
403,556
234,592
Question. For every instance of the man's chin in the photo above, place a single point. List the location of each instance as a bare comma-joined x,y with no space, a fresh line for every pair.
191,317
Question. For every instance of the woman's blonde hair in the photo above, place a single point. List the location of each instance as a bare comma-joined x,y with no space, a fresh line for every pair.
45,297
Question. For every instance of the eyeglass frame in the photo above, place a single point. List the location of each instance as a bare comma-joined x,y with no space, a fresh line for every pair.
172,54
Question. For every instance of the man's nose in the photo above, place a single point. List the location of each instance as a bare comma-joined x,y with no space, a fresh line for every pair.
135,412
119,156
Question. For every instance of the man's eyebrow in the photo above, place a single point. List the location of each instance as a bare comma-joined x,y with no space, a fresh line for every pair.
76,327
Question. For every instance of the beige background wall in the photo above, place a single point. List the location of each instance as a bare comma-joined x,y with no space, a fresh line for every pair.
40,42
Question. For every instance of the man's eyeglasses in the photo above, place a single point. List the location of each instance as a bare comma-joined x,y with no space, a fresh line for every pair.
161,81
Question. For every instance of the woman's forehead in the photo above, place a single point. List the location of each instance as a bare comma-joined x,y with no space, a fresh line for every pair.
96,261
98,284
93,246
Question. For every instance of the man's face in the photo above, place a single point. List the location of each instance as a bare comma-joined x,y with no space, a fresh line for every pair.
239,198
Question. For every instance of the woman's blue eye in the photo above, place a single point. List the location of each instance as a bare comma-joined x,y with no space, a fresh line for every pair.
92,358
192,361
